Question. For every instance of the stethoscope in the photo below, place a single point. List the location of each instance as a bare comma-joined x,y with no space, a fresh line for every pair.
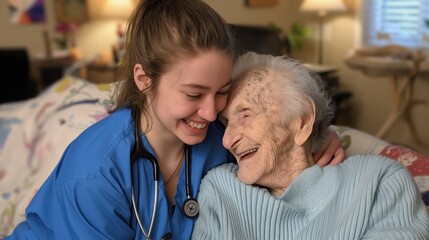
190,206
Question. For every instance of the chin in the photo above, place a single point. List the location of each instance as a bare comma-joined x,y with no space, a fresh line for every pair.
193,140
244,178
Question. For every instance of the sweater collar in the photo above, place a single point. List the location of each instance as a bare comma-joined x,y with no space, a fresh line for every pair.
305,190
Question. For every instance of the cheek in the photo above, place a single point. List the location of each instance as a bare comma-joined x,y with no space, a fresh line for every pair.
273,139
172,107
221,103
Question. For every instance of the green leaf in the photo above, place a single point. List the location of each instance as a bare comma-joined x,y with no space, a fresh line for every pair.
298,33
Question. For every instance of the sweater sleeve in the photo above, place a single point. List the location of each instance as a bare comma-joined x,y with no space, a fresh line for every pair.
398,211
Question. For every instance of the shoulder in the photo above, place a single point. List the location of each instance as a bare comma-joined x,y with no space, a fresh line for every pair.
210,152
214,133
225,173
107,129
221,176
103,145
219,179
223,181
374,162
374,166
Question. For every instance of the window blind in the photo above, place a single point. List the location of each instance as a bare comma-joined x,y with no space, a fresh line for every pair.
396,21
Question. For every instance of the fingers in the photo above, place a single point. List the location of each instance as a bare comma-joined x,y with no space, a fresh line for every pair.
324,159
339,157
333,154
331,159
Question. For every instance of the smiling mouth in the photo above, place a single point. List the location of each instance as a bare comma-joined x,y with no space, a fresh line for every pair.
196,125
247,154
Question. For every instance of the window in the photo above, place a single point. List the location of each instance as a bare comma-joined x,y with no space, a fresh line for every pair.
403,22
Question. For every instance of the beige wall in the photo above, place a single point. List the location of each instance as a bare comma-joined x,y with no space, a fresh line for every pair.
372,96
93,37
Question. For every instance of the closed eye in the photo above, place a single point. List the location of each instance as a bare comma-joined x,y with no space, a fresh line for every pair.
223,93
246,113
193,95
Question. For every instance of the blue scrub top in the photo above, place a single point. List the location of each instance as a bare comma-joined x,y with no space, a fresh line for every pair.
88,195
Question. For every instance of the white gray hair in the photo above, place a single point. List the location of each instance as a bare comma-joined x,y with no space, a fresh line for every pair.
299,86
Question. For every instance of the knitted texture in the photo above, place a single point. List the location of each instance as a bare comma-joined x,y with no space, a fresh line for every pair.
366,197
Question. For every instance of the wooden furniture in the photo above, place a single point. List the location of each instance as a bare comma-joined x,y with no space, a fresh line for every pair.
102,73
402,66
49,69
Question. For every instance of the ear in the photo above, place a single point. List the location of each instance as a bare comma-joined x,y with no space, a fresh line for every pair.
142,81
304,125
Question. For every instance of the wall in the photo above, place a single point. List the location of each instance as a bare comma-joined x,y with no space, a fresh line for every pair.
30,36
371,96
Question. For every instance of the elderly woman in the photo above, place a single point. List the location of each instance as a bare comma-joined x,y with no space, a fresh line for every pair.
277,116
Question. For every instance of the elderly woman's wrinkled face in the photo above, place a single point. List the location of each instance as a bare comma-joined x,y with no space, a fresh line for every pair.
255,133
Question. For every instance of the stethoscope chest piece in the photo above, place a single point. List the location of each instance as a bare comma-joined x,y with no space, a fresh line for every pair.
190,208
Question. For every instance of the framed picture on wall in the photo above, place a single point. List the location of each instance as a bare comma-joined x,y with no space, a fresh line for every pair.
27,12
261,3
71,10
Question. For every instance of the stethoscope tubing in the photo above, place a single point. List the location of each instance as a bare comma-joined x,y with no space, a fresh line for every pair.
190,207
147,235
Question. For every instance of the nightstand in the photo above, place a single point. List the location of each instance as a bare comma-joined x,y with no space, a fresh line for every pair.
49,69
102,73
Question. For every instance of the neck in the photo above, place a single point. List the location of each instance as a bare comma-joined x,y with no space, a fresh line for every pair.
169,153
166,146
291,166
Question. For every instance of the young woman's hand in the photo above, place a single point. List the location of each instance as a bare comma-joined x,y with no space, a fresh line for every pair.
333,154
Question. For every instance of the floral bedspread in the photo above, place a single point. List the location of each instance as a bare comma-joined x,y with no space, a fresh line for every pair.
33,135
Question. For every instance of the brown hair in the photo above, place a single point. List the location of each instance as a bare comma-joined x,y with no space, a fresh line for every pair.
162,32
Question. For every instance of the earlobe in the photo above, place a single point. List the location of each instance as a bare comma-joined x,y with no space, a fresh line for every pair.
142,81
304,125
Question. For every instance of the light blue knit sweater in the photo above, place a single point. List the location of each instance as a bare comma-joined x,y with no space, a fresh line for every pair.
366,197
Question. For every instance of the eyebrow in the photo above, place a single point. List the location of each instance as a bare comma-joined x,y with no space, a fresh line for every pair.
237,109
198,86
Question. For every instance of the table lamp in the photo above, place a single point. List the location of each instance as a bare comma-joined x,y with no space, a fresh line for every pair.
116,9
121,10
322,7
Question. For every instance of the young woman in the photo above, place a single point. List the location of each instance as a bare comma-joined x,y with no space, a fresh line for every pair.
136,173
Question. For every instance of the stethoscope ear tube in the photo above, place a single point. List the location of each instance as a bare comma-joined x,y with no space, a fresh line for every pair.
138,147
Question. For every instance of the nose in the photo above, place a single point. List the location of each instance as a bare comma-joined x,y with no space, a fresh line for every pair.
209,108
230,137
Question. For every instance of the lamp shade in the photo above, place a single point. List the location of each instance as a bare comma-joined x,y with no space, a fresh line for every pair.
323,6
116,9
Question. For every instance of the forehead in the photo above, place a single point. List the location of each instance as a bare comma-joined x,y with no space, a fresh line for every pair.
209,69
254,89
